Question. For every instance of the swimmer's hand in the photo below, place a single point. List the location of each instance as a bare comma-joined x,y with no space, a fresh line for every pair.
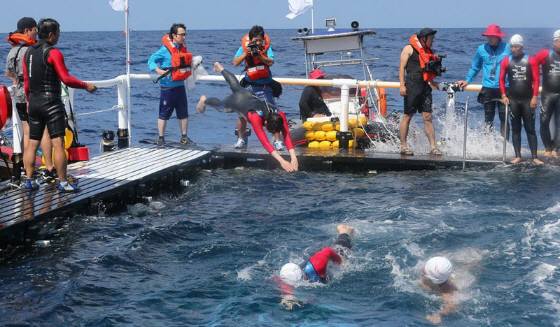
218,68
434,318
290,302
91,88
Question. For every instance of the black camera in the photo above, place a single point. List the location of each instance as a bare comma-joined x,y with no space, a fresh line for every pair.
435,66
253,48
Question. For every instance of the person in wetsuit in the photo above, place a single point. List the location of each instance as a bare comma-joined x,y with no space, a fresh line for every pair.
315,268
43,71
549,61
488,58
522,74
258,112
311,102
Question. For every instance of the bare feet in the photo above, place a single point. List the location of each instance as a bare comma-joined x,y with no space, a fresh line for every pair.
538,162
515,161
554,154
547,154
218,68
201,105
344,229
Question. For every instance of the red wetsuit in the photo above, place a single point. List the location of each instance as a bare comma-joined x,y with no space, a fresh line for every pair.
320,260
257,122
56,59
534,71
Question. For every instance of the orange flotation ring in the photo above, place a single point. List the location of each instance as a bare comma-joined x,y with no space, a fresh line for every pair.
5,105
20,38
382,101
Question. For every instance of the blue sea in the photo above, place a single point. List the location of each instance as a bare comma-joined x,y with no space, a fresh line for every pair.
206,256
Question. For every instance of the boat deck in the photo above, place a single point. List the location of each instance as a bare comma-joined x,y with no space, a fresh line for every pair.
106,176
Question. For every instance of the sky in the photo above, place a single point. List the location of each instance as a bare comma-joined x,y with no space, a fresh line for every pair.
96,15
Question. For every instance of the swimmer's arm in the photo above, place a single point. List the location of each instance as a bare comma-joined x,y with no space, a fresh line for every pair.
449,304
334,256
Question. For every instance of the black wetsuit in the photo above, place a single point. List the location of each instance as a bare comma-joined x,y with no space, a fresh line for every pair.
550,61
519,92
418,96
311,103
241,100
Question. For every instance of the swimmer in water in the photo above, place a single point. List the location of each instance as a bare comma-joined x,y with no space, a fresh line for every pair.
315,268
258,112
436,278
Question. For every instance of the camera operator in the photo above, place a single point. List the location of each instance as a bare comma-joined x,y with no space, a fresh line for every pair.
418,68
256,52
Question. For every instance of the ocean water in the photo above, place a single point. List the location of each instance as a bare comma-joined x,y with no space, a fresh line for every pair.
206,255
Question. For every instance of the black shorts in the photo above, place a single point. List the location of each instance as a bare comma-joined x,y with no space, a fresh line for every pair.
22,111
418,97
47,113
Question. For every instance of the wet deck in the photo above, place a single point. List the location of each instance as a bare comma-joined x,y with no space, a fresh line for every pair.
103,177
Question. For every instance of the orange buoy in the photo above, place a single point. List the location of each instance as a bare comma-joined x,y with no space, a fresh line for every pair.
5,105
382,101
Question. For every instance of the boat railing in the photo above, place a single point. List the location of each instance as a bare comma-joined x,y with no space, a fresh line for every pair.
123,107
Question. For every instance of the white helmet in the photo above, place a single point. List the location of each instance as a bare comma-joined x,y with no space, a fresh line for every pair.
291,273
438,270
556,35
516,40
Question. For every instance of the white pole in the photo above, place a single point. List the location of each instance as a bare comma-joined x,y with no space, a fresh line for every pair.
128,102
313,18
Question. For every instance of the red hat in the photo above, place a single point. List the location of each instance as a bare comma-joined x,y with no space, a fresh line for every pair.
317,74
494,30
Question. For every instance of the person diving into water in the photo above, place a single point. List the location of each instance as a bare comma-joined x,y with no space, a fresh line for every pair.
315,268
258,112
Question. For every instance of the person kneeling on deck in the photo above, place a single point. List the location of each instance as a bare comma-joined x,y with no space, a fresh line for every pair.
258,112
172,62
418,68
311,102
521,95
43,71
315,268
436,277
256,52
549,60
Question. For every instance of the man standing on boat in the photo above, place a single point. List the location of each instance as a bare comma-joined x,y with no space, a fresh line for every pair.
24,37
417,71
488,58
172,62
549,60
43,71
256,52
521,72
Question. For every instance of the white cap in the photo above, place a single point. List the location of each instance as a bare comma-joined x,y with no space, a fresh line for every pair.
516,40
291,273
438,270
556,35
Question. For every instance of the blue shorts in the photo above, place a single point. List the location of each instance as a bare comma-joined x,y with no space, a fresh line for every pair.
173,98
311,274
263,92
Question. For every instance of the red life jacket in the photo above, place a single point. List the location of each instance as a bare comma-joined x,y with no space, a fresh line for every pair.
181,59
425,55
20,38
255,68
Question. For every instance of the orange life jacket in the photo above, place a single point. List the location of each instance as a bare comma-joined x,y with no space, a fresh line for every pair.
20,38
181,59
255,68
425,55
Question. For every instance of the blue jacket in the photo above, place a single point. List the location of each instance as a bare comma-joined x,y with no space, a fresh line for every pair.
162,59
489,61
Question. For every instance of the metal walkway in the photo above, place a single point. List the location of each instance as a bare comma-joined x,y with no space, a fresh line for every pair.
99,179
